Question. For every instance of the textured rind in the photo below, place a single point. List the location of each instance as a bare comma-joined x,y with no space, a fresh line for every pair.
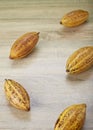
72,118
24,45
17,95
80,61
74,18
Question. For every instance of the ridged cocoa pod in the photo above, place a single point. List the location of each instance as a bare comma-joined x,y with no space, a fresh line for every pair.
24,45
74,18
17,95
81,60
72,118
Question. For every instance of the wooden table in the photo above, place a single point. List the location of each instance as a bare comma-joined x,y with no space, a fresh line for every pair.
43,73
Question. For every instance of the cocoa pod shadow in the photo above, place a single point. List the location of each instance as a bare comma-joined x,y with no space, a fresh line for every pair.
66,32
87,75
20,114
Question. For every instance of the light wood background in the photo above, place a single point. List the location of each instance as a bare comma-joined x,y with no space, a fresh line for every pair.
43,73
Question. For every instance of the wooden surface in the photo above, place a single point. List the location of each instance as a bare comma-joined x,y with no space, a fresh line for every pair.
43,73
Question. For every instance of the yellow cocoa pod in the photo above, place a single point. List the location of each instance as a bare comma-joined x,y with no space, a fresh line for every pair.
72,118
24,45
74,18
81,60
17,95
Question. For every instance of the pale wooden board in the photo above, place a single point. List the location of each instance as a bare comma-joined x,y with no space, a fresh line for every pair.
43,73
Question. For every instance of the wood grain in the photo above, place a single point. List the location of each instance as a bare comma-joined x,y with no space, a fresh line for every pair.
43,72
